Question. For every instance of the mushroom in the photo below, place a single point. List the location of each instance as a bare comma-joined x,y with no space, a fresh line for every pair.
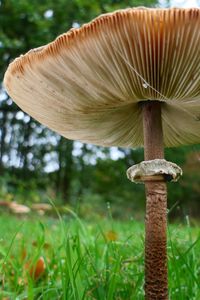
129,78
19,208
15,207
41,208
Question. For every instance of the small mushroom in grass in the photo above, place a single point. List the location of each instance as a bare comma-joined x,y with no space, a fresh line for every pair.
15,207
129,78
19,208
41,208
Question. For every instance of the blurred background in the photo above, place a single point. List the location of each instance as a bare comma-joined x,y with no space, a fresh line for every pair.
38,166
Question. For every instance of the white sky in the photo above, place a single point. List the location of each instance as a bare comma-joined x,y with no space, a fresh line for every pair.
185,3
180,3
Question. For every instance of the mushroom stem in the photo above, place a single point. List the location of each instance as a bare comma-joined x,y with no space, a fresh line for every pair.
156,285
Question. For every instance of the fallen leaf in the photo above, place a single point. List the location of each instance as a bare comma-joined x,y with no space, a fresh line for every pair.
36,270
111,235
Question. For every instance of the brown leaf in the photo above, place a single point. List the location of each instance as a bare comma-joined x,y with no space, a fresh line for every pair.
36,270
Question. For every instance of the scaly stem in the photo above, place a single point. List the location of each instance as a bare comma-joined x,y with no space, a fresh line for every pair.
156,285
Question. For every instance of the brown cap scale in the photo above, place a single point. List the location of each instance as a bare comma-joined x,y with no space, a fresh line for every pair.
128,78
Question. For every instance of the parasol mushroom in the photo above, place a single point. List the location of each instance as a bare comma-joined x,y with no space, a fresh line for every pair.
129,78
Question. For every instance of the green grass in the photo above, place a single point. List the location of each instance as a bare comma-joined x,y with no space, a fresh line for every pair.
90,260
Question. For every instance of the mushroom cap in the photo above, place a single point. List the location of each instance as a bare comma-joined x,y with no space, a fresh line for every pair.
89,83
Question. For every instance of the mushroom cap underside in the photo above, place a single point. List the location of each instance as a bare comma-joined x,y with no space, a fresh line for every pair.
89,82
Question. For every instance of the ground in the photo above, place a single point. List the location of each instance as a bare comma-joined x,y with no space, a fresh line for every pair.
70,258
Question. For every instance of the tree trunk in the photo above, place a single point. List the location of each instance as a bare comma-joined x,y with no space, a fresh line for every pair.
64,175
2,140
156,285
26,148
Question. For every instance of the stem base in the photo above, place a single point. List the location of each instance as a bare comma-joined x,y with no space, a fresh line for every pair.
156,286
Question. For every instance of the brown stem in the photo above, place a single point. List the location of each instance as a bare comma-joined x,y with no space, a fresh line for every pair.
156,286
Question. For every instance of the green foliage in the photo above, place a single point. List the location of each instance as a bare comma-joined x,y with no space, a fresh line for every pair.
23,191
108,178
84,260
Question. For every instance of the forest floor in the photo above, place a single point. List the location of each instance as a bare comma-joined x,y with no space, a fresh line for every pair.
68,258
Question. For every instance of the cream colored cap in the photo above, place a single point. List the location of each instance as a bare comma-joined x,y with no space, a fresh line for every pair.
87,85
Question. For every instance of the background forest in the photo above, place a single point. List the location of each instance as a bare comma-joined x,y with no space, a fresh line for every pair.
36,164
